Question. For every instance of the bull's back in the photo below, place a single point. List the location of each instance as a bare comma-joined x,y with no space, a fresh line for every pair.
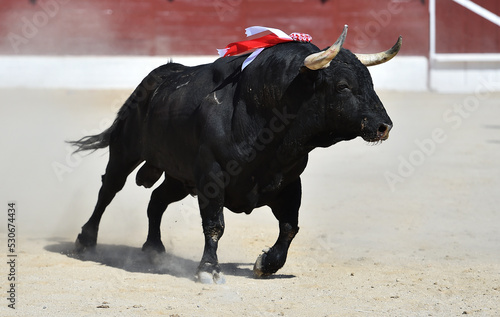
180,112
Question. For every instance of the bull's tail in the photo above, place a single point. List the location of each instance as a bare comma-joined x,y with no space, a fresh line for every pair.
136,103
102,140
94,142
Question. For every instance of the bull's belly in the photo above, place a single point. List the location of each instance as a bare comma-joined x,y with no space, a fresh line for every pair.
244,196
242,200
240,195
245,205
245,188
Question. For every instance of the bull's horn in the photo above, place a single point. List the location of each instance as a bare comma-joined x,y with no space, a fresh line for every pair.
322,59
382,57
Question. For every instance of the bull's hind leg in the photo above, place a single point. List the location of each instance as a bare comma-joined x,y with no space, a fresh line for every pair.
119,167
286,209
171,190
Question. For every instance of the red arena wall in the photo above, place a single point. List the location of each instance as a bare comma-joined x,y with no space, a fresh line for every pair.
198,27
459,30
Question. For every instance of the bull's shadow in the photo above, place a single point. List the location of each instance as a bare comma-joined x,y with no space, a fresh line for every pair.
134,260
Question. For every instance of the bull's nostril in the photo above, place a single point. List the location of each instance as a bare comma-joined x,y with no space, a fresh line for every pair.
384,128
383,131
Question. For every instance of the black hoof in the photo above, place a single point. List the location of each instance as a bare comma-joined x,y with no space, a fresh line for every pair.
84,243
258,268
153,247
269,262
210,274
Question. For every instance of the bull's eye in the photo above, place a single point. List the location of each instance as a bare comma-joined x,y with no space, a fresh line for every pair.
343,87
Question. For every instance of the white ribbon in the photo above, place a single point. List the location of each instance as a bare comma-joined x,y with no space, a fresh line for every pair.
251,57
259,29
250,31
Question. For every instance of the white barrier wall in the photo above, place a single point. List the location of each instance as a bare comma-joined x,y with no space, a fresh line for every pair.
464,77
106,72
83,72
403,73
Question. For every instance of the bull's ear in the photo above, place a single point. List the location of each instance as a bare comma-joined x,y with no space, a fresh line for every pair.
322,59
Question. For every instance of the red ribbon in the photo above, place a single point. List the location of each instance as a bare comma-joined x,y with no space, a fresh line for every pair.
258,44
245,46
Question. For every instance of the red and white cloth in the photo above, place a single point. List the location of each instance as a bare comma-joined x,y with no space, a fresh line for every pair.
301,37
259,44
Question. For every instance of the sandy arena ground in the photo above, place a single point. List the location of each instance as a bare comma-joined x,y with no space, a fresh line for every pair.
410,227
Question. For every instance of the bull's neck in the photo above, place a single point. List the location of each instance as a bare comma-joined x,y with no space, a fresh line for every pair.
296,141
290,117
307,121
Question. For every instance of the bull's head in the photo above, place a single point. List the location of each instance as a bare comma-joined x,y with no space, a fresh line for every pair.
352,106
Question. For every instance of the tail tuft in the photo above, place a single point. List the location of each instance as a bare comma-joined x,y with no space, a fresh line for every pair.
92,142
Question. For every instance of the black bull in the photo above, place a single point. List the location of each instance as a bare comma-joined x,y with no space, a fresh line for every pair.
237,139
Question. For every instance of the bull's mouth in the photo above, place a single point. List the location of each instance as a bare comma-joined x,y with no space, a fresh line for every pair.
374,140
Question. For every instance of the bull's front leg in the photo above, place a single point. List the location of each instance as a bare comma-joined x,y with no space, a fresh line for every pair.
286,209
211,202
